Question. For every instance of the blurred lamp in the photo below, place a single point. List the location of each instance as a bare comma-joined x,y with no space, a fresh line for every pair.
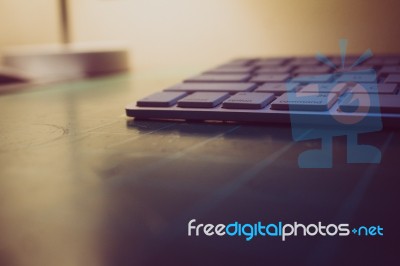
68,59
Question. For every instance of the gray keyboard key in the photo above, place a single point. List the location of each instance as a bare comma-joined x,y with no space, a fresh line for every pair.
219,78
393,78
274,69
337,61
304,102
312,70
270,62
161,99
213,87
226,71
391,61
375,61
390,70
278,88
248,100
313,79
371,88
383,61
203,100
231,70
364,70
243,68
362,103
270,78
360,77
305,61
339,88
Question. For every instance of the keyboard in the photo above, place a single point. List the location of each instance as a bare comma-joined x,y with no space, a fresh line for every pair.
282,90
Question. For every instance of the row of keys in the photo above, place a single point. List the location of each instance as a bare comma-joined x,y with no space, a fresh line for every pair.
301,78
279,88
296,70
300,101
383,66
270,70
312,61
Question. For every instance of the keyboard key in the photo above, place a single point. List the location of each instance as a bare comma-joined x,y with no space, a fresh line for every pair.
339,89
246,67
361,103
203,99
391,61
389,103
161,99
213,87
313,79
390,70
368,65
364,70
270,78
337,61
312,70
248,100
304,102
219,78
383,61
237,68
270,62
278,88
357,78
304,61
372,88
393,78
375,61
225,71
274,69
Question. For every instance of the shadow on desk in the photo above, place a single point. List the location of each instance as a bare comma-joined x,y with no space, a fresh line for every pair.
253,131
222,173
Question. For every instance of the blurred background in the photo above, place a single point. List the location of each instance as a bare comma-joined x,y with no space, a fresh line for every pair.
182,33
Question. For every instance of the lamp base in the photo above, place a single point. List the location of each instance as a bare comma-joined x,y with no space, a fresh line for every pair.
68,61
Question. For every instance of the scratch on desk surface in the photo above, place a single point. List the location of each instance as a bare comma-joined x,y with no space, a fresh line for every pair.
28,136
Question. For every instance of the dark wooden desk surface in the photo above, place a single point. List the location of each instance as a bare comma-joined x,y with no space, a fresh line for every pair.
81,184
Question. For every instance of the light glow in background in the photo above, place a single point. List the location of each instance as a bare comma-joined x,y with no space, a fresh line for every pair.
181,33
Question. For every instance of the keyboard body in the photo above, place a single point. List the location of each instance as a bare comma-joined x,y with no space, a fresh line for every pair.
301,90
